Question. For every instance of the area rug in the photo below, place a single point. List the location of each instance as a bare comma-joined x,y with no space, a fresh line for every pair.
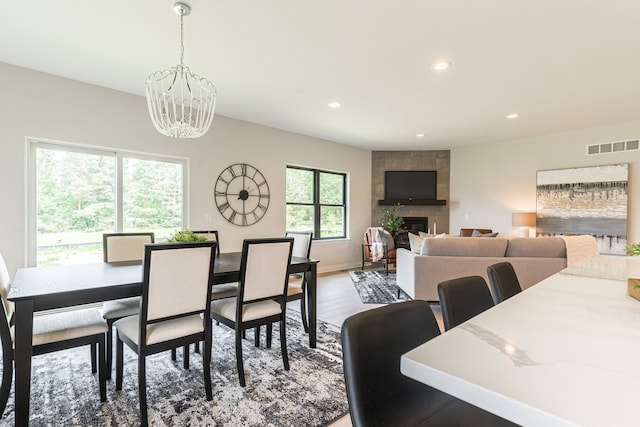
376,287
311,393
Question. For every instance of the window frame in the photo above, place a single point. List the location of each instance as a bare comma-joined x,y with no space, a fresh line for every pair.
317,206
118,154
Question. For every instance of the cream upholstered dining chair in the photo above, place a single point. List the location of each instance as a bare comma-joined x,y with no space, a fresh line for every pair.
297,290
166,322
262,294
226,290
121,248
51,332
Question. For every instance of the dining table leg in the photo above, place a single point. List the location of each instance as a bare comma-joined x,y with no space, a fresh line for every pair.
312,302
22,359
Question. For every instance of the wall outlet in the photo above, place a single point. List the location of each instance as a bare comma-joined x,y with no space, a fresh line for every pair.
208,218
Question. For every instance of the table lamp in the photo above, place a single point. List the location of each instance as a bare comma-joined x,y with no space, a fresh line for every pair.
524,220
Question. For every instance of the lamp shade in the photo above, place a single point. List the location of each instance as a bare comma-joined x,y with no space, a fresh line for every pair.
523,219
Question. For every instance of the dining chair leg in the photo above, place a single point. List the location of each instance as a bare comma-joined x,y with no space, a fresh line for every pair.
109,347
94,355
7,377
207,366
239,364
303,306
185,357
102,369
142,388
269,334
119,362
197,347
256,336
283,344
174,356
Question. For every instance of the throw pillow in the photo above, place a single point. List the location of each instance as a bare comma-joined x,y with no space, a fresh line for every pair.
415,242
424,235
383,236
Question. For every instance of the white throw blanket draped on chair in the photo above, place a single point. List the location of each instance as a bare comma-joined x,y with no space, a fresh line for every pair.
377,251
377,248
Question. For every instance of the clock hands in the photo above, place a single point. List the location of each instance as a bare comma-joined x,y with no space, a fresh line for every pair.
242,194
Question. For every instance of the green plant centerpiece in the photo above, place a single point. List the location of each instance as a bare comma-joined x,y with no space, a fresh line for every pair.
185,236
390,219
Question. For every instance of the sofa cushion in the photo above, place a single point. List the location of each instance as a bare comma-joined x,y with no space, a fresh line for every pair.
469,246
542,247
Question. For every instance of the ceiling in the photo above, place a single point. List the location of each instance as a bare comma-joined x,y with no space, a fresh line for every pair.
560,65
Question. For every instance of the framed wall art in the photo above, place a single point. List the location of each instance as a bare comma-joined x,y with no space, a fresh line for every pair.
585,200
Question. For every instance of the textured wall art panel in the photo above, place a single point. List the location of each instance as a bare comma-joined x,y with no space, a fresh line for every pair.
585,200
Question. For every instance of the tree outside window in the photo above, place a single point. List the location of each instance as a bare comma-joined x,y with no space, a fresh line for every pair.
78,193
316,202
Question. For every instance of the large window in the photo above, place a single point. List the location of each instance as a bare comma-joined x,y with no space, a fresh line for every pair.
316,201
77,193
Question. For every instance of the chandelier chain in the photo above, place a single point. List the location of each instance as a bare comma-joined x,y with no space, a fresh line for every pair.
182,39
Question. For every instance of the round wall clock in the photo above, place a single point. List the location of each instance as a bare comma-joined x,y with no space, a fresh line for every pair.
242,194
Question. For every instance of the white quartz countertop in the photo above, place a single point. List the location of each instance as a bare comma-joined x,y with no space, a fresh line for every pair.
564,352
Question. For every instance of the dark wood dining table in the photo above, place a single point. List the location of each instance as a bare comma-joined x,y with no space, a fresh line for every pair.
43,288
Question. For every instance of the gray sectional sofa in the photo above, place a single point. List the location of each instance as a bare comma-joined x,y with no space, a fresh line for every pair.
533,259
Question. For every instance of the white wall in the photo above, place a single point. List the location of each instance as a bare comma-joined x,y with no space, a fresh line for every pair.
489,182
52,108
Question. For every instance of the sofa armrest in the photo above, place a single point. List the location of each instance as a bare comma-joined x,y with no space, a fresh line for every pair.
405,271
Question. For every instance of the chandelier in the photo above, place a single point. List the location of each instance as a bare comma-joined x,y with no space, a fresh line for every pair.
181,103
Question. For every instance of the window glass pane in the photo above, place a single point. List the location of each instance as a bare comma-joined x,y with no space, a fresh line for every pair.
75,204
331,188
331,221
300,218
151,196
299,186
316,201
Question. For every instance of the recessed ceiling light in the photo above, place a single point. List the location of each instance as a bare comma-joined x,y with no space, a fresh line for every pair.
442,65
334,104
420,135
513,116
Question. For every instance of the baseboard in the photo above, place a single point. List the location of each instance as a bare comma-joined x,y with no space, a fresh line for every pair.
339,267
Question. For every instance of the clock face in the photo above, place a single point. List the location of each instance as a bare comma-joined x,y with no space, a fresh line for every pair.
242,194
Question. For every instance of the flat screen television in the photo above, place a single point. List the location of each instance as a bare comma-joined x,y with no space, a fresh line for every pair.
410,185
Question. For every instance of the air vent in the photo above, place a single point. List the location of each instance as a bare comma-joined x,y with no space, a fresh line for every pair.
612,147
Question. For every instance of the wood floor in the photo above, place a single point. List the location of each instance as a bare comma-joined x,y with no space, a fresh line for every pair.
338,299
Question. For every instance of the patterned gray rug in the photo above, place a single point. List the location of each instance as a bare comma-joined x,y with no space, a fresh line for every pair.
65,393
375,287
